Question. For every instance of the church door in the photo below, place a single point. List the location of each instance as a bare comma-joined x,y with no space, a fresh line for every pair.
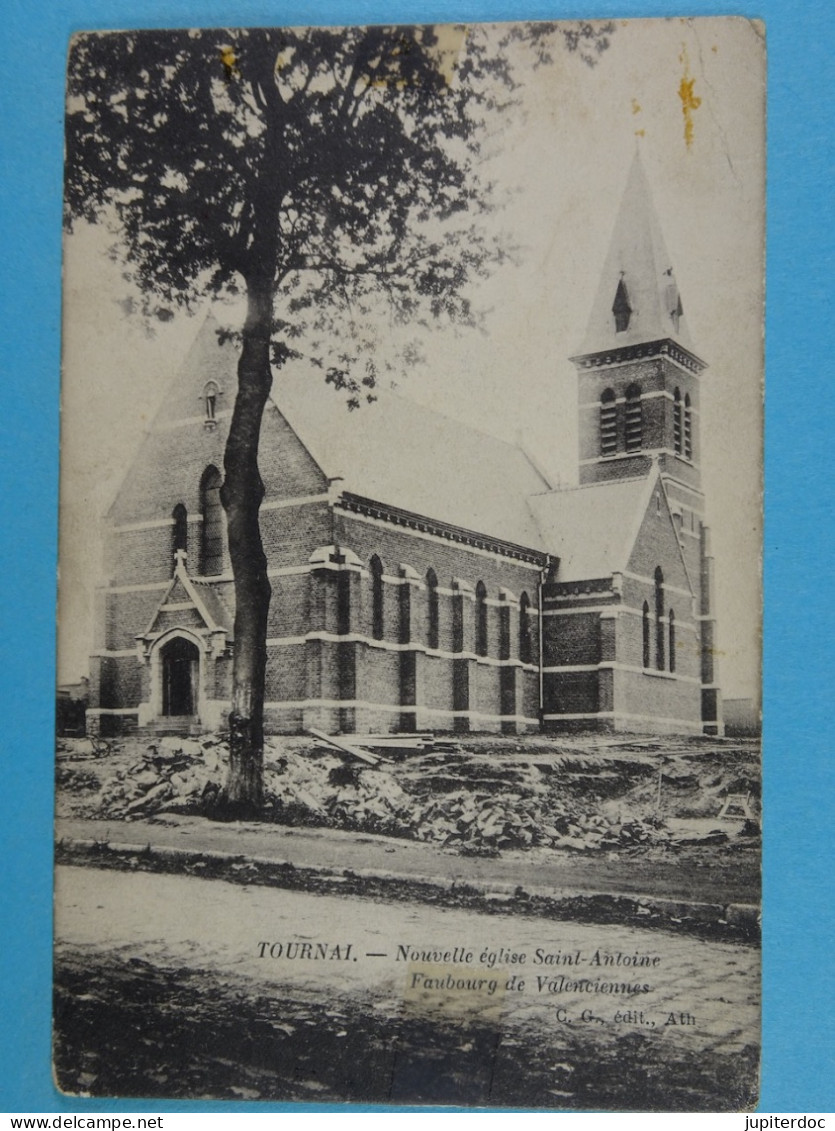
180,667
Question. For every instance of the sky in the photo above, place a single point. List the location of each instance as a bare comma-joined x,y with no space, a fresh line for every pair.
563,155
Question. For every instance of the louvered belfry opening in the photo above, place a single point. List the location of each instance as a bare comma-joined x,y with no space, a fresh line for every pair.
633,420
608,423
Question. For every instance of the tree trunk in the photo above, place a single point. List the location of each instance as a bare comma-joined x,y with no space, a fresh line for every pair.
241,495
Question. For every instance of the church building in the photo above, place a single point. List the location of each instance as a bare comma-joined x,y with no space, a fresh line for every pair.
427,576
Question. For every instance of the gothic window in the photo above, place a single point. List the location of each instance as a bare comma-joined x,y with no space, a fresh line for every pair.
688,429
525,648
457,621
633,419
210,394
432,619
645,626
405,602
677,428
608,423
481,619
179,536
659,619
343,602
211,534
621,308
671,641
504,631
376,598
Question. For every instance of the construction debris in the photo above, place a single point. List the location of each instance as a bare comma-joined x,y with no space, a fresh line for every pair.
346,747
480,795
737,805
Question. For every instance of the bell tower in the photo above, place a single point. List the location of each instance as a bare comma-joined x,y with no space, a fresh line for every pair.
638,379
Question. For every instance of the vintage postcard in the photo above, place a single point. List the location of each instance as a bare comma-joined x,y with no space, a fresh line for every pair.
408,718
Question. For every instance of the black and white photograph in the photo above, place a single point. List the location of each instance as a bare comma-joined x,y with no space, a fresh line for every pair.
409,627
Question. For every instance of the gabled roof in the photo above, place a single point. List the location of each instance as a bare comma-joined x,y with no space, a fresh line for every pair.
393,451
593,528
400,453
637,278
208,606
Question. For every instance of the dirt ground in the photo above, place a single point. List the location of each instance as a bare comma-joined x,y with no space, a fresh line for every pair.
205,1036
137,1017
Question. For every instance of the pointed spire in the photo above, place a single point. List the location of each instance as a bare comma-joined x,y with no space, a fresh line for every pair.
638,299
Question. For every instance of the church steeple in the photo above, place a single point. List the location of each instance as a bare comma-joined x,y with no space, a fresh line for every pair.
638,299
639,396
637,370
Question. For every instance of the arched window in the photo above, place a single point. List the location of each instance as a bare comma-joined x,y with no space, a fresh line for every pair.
210,394
659,619
608,423
633,419
432,619
376,598
179,534
525,647
688,428
481,619
671,640
211,535
343,602
677,429
621,308
645,626
404,632
504,631
457,620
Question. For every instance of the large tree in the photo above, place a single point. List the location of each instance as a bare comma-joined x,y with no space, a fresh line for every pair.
320,174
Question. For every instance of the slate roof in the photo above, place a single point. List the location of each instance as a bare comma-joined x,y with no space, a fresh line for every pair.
592,529
411,457
408,456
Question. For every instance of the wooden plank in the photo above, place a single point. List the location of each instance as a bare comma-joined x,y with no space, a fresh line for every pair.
346,747
392,741
398,736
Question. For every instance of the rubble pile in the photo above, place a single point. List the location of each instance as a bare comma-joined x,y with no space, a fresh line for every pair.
78,781
693,788
455,798
129,780
476,796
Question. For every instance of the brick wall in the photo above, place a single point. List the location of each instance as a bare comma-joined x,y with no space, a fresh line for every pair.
379,673
653,376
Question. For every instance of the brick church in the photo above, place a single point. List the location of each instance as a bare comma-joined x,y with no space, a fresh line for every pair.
425,575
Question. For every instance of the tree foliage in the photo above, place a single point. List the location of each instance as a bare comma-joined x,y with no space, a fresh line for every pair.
342,166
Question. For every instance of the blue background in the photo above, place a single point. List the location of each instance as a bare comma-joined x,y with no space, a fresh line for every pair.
798,1061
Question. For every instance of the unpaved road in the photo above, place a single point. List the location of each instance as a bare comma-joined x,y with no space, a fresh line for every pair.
176,948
